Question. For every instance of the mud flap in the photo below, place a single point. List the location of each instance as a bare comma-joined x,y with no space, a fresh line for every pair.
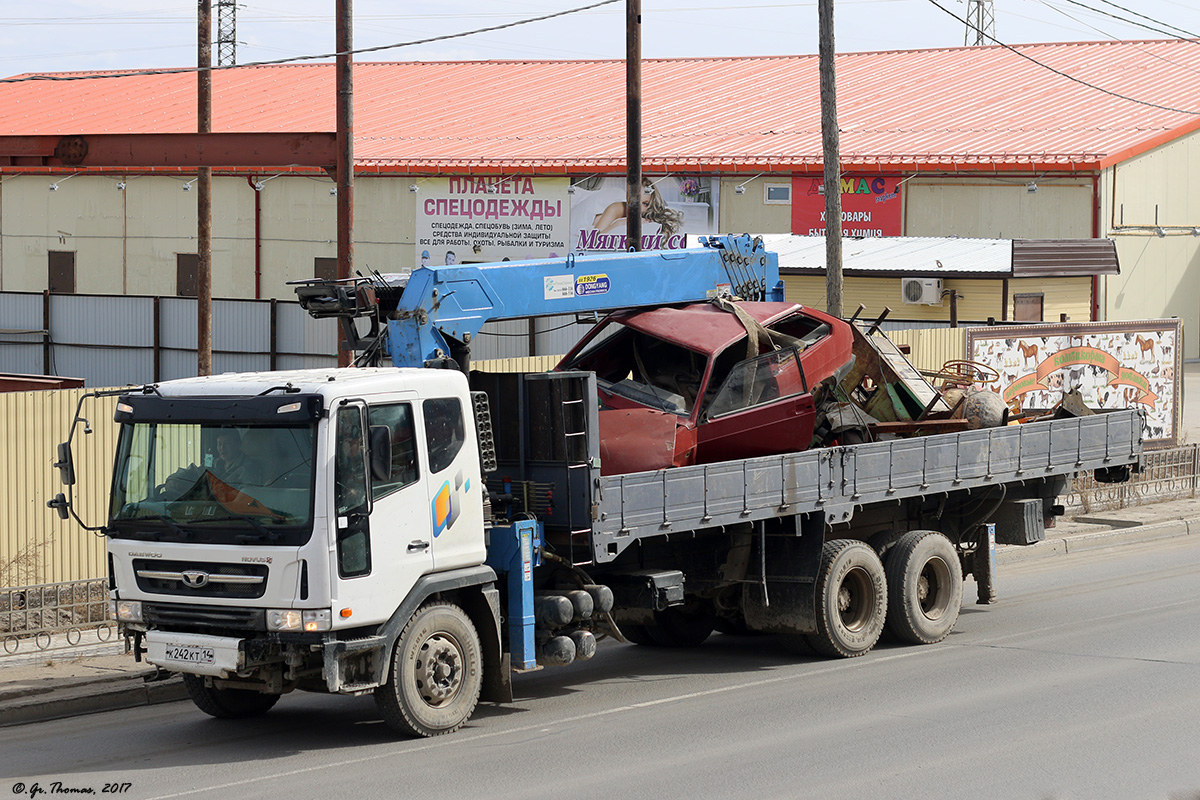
984,566
786,601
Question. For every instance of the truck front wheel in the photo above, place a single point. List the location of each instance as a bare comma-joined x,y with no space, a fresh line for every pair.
924,587
435,678
851,599
227,703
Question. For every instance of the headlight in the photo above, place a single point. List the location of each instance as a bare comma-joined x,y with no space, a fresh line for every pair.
289,619
127,610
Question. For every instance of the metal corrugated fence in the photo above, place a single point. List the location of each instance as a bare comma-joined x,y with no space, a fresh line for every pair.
110,341
36,547
932,347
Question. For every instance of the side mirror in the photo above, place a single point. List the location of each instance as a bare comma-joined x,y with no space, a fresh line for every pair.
380,437
59,504
65,465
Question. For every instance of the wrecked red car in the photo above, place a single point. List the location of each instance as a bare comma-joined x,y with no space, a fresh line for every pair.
708,382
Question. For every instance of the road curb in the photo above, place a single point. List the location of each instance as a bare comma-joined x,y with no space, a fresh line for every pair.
84,699
1098,540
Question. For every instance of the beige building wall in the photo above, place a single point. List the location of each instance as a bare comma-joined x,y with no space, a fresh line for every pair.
126,242
1160,275
978,299
746,212
999,208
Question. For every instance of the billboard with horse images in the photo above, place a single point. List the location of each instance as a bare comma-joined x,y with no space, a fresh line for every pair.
1112,364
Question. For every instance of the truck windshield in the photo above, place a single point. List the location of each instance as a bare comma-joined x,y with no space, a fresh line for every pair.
213,483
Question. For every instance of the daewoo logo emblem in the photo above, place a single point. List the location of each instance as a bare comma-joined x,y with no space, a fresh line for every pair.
194,578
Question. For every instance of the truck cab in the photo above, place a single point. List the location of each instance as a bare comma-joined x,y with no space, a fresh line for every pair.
252,513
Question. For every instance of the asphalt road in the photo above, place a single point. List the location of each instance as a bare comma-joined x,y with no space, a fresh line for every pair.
1084,682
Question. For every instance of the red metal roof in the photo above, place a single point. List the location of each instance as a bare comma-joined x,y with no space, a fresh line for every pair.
977,108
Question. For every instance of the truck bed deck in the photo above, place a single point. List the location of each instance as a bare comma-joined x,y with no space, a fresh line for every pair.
837,481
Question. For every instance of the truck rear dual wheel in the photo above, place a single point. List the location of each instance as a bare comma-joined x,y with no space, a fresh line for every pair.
925,583
436,675
852,597
688,625
227,703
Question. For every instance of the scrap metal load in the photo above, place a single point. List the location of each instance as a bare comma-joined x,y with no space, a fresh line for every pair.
703,362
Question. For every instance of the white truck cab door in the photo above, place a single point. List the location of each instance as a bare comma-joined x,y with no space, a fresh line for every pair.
454,484
382,546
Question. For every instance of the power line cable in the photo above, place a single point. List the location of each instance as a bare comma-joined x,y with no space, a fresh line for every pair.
1062,74
1151,19
1091,27
1111,15
293,59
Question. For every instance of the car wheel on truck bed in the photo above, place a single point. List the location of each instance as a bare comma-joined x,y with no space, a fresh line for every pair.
851,599
925,586
434,681
227,703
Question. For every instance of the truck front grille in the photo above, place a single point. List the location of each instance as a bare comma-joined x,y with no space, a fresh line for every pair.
200,579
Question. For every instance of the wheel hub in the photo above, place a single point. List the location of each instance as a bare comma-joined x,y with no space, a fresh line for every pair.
439,670
855,600
933,594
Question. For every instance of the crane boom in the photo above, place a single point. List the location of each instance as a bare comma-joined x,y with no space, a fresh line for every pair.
436,311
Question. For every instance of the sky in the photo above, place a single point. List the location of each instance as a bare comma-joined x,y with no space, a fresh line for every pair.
71,35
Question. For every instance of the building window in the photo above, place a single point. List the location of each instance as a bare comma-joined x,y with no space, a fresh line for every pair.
777,194
325,268
1028,307
187,274
61,271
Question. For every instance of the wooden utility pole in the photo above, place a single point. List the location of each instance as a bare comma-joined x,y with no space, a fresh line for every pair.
345,152
204,320
633,123
833,177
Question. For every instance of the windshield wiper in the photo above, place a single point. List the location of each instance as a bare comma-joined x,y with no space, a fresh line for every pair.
177,529
263,530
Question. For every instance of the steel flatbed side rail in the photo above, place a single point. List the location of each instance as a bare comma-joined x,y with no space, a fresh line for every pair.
838,480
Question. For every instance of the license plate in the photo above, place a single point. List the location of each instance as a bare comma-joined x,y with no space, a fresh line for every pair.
189,654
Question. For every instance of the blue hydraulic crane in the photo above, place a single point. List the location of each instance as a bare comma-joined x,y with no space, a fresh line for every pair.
434,313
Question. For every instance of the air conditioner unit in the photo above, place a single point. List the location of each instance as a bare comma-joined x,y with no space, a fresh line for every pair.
921,290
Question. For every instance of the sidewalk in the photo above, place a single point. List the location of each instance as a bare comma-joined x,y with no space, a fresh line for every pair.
65,683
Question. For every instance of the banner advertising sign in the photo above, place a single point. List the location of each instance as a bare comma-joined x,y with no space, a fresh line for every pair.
1112,364
468,220
870,205
674,208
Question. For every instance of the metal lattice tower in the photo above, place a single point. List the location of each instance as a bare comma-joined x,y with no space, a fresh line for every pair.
226,33
981,23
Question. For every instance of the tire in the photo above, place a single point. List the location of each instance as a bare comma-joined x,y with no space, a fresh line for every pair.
688,625
637,634
228,703
851,599
925,586
734,625
436,673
